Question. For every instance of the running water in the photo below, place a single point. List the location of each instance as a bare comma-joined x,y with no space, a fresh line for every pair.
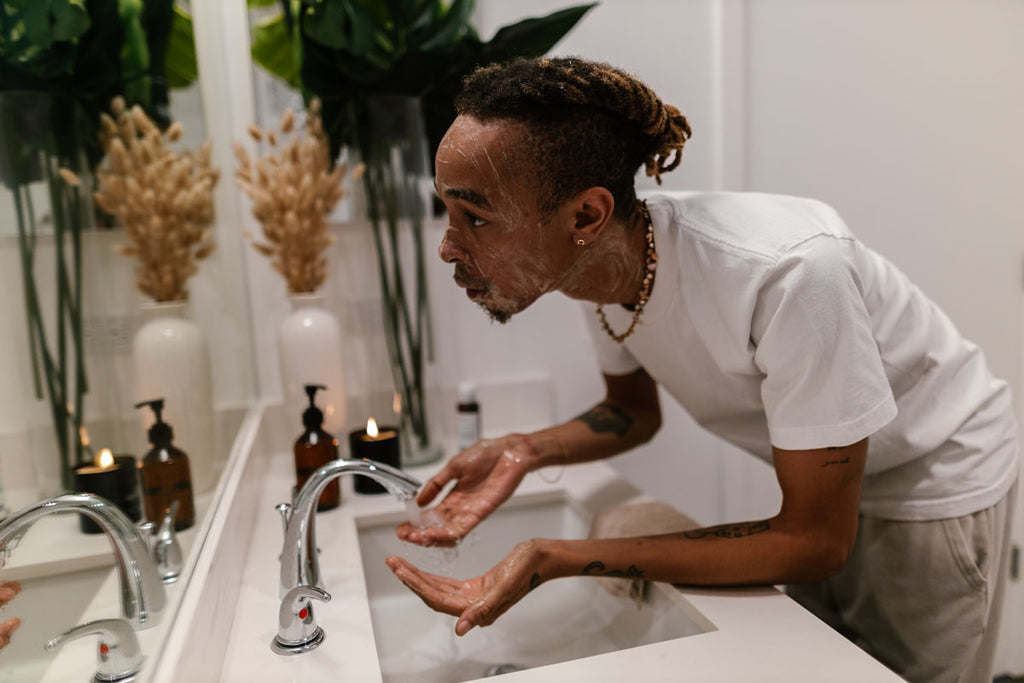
415,519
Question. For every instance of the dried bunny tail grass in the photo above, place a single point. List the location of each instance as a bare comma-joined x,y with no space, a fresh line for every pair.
255,132
291,191
162,197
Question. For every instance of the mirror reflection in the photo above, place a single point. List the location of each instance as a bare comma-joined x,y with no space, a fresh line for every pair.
126,325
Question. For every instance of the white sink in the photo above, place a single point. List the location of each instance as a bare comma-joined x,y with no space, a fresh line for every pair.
559,621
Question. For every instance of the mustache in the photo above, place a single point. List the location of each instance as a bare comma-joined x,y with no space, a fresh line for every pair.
464,279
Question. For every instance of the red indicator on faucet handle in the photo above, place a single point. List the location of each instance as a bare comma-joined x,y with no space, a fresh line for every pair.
104,648
303,613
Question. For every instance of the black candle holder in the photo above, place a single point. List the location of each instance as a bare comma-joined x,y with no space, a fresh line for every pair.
384,448
118,483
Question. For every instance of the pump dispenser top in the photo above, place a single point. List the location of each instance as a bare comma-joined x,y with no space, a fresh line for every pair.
313,417
160,434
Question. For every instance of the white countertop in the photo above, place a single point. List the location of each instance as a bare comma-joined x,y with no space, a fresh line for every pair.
760,634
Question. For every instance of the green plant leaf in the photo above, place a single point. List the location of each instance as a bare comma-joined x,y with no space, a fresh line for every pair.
534,36
260,3
180,66
450,29
70,19
273,49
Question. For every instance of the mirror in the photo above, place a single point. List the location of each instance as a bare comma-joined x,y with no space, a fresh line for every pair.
64,572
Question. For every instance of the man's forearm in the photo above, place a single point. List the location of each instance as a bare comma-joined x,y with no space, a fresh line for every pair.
745,553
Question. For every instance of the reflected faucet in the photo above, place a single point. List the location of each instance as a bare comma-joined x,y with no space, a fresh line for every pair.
300,569
142,593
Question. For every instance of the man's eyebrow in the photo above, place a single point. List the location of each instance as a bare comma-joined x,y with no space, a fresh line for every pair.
470,196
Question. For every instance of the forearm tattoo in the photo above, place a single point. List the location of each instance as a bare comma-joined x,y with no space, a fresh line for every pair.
838,460
596,568
729,530
605,417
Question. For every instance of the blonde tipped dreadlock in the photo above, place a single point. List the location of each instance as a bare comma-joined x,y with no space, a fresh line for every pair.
587,123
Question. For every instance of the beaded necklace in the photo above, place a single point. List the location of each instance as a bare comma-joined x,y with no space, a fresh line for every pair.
650,265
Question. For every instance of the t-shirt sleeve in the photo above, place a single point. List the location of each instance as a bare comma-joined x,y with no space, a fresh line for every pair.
824,382
612,358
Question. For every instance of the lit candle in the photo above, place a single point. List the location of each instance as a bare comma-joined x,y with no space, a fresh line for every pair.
113,478
377,444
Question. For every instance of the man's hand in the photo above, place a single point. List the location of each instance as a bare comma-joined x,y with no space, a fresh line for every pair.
481,600
486,474
8,591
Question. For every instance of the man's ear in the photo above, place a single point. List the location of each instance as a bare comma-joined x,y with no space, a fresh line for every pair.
593,209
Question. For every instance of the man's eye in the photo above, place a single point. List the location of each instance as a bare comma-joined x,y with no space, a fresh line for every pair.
475,221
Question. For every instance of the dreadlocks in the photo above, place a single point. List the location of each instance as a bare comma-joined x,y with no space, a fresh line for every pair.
587,124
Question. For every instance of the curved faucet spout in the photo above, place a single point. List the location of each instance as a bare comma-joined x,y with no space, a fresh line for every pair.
142,593
299,566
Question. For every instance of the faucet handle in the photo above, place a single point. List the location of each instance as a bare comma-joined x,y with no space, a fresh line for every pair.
166,549
118,656
297,630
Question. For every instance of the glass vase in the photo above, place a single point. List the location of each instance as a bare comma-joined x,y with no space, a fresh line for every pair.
43,213
397,190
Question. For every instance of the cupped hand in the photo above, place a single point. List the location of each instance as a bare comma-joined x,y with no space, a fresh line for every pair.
478,601
486,474
8,591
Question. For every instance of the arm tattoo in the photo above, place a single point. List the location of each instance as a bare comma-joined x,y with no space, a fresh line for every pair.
729,530
596,568
605,417
837,460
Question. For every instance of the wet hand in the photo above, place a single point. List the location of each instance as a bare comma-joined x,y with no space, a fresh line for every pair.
478,601
8,591
486,474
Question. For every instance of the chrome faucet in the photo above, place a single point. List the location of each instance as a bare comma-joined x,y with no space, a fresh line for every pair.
300,569
142,593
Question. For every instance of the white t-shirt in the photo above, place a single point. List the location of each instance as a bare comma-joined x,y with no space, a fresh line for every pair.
772,325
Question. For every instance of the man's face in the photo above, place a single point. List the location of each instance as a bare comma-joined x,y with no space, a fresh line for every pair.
506,254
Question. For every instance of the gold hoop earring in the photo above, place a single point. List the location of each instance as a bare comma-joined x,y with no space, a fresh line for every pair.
580,242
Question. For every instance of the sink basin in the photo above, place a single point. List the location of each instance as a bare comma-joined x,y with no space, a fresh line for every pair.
25,659
561,620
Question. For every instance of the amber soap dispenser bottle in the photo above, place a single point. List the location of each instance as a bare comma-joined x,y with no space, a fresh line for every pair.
166,476
314,449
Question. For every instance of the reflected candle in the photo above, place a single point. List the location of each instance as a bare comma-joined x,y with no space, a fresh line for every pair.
377,444
113,478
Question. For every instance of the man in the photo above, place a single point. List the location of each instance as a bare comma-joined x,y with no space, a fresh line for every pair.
894,447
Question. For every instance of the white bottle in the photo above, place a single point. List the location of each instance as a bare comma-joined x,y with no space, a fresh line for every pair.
467,419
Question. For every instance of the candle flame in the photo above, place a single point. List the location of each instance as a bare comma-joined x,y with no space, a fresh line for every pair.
371,428
83,436
105,458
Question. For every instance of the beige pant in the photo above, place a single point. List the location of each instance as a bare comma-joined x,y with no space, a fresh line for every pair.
924,598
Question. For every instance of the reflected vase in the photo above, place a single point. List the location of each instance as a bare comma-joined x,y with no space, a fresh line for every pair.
171,359
309,348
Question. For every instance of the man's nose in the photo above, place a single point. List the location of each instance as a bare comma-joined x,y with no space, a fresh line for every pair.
449,251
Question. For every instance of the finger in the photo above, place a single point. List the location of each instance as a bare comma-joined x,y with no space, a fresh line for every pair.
7,629
441,596
8,591
434,486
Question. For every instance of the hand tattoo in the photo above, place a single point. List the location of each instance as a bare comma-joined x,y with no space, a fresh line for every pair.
605,417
